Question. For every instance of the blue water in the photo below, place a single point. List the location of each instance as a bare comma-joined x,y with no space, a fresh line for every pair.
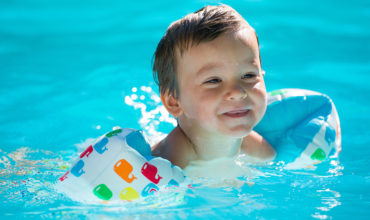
70,68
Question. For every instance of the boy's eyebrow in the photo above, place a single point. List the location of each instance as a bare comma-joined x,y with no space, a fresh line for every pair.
213,65
207,67
250,61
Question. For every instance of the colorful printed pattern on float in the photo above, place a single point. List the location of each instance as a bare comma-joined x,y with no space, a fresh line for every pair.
133,175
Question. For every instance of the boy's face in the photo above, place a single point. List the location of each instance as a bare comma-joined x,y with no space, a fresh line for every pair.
221,85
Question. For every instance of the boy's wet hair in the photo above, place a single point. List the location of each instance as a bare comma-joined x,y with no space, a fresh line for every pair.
204,25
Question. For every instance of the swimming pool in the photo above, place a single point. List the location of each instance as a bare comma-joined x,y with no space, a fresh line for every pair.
72,71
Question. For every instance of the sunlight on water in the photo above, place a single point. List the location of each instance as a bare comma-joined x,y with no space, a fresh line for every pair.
27,176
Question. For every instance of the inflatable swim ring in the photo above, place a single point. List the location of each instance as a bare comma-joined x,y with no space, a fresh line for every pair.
302,126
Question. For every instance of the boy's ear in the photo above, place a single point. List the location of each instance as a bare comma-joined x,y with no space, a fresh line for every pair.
171,104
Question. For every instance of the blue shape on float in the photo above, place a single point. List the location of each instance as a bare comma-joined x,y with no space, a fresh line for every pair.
149,189
173,183
101,147
137,141
77,168
330,135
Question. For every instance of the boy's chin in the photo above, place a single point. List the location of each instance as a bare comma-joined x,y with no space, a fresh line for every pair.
239,132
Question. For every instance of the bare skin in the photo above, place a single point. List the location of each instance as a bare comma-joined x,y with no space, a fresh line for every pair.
222,97
177,148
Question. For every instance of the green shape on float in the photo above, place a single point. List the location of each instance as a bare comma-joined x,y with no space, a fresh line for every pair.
113,133
319,154
277,92
102,192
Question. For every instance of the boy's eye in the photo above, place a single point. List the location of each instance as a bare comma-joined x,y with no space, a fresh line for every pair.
249,75
213,81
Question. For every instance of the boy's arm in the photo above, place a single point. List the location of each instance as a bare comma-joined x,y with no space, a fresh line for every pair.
256,146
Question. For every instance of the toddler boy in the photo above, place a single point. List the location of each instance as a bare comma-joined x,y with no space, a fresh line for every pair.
208,69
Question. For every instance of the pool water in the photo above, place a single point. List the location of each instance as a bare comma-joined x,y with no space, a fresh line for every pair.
72,70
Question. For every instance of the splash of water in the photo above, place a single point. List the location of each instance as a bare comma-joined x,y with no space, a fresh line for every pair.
152,112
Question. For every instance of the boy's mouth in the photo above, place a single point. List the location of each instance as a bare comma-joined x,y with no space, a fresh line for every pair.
237,113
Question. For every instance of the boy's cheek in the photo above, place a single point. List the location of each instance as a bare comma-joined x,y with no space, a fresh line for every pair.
264,107
262,87
262,98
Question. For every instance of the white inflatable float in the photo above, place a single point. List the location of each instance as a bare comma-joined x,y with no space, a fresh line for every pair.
119,166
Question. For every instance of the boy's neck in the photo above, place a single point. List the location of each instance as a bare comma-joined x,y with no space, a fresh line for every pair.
209,146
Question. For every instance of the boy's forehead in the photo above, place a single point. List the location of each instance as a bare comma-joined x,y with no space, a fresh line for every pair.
240,52
246,32
246,35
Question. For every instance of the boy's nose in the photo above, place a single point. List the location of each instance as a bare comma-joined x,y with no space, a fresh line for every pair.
236,93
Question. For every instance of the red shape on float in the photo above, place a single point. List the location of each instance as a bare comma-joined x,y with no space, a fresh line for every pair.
150,172
87,152
62,178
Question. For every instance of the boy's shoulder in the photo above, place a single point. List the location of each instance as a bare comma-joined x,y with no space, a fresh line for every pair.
175,148
255,146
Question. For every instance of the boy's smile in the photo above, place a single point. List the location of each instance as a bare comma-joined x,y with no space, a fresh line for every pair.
221,86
